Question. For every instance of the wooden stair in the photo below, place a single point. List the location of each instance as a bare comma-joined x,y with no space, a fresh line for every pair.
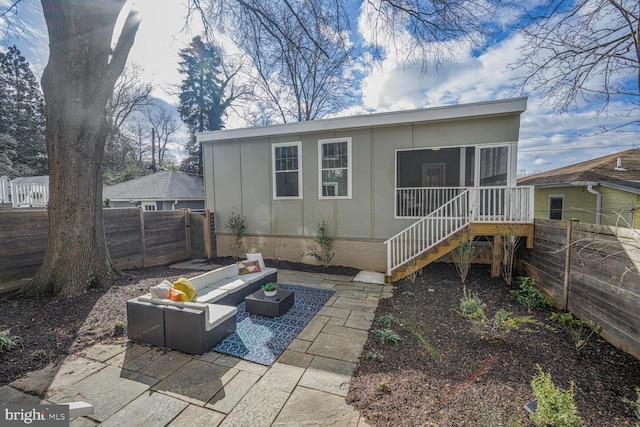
431,255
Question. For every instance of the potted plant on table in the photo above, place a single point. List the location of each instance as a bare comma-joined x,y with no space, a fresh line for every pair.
270,289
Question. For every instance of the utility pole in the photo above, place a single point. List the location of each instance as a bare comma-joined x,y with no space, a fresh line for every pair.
153,149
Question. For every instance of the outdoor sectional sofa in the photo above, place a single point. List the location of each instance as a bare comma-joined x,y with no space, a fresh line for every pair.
195,327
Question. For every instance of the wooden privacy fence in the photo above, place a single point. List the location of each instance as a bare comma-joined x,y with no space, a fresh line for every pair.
135,238
592,271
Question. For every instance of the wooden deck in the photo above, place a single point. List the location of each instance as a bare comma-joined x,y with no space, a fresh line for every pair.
492,231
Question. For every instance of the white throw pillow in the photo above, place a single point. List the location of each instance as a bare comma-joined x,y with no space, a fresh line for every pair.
257,257
161,290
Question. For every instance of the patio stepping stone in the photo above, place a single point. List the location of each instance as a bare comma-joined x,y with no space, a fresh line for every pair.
148,409
345,347
316,408
258,408
196,381
114,392
57,376
196,416
226,399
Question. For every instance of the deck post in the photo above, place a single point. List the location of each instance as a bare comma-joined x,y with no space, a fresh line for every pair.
496,256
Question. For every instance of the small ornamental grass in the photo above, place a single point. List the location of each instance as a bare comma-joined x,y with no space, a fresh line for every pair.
580,331
9,342
555,407
387,320
387,335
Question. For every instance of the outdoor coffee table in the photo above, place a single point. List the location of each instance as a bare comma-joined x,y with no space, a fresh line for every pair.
257,303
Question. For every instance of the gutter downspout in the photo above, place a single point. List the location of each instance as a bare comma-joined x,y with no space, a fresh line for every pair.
173,205
598,202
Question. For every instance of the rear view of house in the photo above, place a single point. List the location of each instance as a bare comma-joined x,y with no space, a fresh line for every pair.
390,185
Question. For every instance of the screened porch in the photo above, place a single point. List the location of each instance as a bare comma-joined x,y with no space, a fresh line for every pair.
428,178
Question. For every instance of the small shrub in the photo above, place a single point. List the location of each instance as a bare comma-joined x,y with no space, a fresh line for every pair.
384,386
119,327
472,309
39,354
462,257
387,335
375,356
635,405
579,330
238,225
471,306
322,251
387,320
529,296
9,342
556,406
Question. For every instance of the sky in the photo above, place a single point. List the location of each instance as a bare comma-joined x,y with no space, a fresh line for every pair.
548,140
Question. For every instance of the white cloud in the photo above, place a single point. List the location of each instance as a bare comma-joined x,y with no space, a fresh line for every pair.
160,37
547,139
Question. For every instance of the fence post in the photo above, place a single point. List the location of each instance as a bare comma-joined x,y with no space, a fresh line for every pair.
187,229
142,240
567,264
209,234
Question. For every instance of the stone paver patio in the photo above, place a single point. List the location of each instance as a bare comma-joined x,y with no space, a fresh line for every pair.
131,384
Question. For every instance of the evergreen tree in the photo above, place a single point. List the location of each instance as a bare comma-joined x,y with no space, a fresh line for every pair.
202,97
22,112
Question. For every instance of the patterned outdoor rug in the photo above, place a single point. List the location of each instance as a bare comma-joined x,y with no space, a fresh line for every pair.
261,339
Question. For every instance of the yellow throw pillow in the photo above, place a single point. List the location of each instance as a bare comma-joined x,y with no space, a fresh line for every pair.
184,285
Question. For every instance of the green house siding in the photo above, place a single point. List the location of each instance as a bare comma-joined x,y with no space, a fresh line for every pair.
617,207
238,169
579,203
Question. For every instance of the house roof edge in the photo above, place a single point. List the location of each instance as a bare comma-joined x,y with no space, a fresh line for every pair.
429,114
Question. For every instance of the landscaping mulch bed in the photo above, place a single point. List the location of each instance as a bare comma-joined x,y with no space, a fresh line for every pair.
444,374
440,374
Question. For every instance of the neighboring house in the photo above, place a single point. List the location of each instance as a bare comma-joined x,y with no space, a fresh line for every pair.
391,186
163,190
29,192
601,191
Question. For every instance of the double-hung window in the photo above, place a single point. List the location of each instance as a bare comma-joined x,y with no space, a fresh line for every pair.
287,179
334,165
556,206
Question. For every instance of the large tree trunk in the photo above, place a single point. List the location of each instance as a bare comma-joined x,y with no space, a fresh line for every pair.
77,83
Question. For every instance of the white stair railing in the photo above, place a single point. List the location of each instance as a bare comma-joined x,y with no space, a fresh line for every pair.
481,204
501,204
429,231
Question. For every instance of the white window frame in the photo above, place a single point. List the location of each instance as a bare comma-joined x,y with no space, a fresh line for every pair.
273,169
510,162
555,196
321,143
149,206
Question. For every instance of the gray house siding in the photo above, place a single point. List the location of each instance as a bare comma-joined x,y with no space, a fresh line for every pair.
238,177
